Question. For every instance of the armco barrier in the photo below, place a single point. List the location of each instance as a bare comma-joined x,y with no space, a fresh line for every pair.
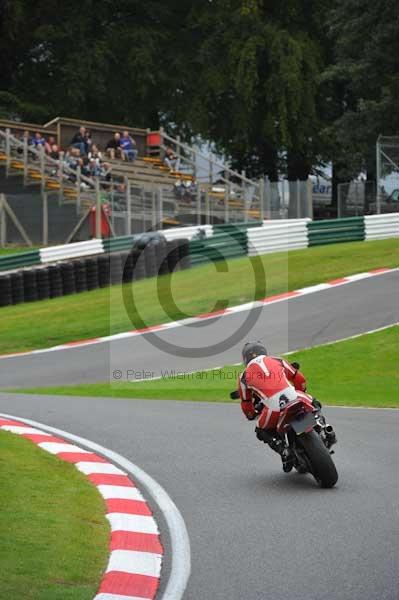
186,232
220,246
78,249
278,236
333,231
22,259
380,227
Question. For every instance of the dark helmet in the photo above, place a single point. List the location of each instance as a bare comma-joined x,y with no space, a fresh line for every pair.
252,350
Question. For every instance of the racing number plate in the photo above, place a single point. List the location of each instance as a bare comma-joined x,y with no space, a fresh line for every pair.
304,423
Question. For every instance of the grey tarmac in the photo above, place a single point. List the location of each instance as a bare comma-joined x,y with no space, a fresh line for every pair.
300,322
255,532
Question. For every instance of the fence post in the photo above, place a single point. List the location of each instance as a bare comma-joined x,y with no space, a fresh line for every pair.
298,200
98,209
207,209
42,170
262,198
142,194
378,176
78,189
226,199
128,228
25,158
160,209
3,223
198,202
45,219
8,152
153,207
61,178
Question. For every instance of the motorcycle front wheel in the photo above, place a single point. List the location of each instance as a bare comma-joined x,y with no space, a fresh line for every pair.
320,462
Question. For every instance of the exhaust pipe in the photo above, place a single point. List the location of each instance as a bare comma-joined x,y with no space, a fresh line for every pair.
330,435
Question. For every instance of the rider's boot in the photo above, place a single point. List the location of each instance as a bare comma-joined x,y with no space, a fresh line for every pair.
276,444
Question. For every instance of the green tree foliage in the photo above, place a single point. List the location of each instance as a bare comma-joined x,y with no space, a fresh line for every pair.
96,60
364,72
278,86
255,78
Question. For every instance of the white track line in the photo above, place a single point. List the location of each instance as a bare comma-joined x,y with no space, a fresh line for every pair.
200,318
180,543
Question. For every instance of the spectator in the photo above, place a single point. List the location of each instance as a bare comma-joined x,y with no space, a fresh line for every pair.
88,141
49,144
73,160
128,147
113,148
79,140
38,140
170,158
54,152
95,153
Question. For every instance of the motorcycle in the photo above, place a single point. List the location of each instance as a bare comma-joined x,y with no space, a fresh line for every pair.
304,439
307,439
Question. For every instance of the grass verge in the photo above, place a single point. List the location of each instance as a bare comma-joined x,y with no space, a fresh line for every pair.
54,542
185,293
358,372
16,250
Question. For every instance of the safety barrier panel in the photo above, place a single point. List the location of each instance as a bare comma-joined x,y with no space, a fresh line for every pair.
21,259
278,236
88,248
117,244
221,246
187,232
379,227
333,231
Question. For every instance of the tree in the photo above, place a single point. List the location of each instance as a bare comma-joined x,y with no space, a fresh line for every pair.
255,80
366,71
110,60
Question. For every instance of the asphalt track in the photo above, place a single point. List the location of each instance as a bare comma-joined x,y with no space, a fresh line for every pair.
300,322
255,532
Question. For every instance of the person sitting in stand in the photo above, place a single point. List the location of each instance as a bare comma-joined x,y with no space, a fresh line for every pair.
54,152
88,141
113,148
38,140
170,158
128,147
49,144
79,140
94,153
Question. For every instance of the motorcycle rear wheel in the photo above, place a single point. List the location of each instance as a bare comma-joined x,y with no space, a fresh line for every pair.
320,461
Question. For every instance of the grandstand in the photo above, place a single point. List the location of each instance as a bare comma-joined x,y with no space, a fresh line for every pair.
143,194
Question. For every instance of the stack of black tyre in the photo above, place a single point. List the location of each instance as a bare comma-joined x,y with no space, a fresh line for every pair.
68,278
151,256
5,290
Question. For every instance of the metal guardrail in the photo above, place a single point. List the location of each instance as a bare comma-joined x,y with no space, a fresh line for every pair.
221,246
278,237
379,227
76,250
19,260
333,231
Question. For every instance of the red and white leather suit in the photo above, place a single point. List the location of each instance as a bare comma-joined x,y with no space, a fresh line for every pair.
265,379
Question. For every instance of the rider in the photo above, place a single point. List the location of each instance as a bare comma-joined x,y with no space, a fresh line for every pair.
265,380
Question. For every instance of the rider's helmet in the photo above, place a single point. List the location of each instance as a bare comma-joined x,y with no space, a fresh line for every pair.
252,350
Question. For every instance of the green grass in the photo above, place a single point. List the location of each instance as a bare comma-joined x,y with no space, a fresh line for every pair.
358,372
111,310
54,536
